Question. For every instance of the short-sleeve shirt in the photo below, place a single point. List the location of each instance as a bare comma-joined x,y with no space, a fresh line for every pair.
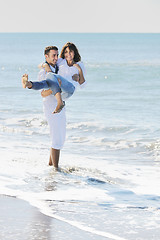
68,71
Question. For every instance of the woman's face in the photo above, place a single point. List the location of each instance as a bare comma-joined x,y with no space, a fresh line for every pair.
68,54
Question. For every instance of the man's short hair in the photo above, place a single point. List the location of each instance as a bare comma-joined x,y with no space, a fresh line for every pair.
47,49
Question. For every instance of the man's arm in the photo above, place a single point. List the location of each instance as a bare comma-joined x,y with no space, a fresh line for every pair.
46,93
42,76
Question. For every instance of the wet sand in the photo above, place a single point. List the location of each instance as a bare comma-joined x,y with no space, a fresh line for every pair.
19,220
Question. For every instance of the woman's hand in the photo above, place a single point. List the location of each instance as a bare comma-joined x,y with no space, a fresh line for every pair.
81,76
45,66
76,77
40,65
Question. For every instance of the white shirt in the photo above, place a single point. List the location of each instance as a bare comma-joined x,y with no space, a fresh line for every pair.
42,76
68,71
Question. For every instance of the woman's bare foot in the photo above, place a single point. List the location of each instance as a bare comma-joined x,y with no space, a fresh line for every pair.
24,80
59,107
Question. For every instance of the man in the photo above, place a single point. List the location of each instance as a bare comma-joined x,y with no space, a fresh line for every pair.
56,122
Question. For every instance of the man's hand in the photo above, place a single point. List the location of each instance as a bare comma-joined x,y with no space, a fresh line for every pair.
76,77
43,93
46,93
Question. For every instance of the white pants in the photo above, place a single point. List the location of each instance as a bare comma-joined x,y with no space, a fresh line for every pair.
56,122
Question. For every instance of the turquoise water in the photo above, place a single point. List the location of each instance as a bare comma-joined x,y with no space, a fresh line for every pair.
111,158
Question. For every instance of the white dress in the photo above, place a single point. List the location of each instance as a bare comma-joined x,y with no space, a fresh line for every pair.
56,122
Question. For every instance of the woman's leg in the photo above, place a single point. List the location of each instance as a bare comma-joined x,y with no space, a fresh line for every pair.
50,82
33,85
45,84
66,86
53,85
56,91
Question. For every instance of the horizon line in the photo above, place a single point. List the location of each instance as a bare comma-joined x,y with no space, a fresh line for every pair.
87,32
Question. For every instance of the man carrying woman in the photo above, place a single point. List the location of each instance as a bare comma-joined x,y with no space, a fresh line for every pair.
59,87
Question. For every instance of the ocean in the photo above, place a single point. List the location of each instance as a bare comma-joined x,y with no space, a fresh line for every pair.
108,183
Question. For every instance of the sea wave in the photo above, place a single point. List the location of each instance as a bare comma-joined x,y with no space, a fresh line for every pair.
90,134
97,126
155,63
28,126
153,147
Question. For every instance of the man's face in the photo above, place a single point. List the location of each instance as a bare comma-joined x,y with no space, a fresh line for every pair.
52,57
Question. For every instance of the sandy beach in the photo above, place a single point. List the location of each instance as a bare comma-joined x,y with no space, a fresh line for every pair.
19,220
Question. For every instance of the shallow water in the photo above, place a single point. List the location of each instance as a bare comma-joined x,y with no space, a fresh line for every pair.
108,183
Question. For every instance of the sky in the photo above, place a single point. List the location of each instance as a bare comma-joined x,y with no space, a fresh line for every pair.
80,16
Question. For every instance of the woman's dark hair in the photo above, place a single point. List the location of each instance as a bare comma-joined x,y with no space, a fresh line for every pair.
71,47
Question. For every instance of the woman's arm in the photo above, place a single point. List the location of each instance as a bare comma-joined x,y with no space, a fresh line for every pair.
45,66
46,93
81,76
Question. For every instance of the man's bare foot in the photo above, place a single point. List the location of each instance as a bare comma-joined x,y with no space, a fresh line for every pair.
59,107
50,162
24,80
